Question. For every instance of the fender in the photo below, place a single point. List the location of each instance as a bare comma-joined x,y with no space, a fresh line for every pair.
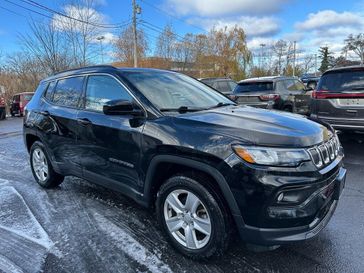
219,178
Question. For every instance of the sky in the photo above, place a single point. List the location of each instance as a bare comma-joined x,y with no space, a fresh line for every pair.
310,23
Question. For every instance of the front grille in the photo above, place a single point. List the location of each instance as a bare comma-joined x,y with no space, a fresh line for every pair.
325,153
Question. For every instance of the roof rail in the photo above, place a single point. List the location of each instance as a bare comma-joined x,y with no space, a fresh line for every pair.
86,67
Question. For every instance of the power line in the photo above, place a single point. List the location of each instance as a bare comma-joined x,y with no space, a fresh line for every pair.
172,16
40,6
61,14
44,15
161,31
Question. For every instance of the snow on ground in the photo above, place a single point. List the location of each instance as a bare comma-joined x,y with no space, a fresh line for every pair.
16,217
130,246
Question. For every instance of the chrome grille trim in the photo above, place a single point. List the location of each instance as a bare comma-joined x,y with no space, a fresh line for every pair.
325,153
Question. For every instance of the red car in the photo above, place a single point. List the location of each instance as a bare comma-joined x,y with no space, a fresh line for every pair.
19,102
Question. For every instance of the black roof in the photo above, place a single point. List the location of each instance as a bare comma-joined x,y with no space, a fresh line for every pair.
99,68
343,68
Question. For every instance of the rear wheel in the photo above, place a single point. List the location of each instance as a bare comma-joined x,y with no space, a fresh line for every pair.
2,114
42,169
288,108
193,218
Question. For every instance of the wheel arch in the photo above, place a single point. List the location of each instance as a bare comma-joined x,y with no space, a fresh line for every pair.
159,163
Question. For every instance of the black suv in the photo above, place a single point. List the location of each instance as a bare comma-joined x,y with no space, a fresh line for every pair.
210,167
276,92
339,98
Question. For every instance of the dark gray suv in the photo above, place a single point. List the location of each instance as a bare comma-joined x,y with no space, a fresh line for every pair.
339,99
275,92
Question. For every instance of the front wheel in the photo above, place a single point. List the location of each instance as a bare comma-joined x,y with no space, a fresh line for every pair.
193,217
41,166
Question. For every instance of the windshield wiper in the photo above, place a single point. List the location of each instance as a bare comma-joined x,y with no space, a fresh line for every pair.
221,104
181,110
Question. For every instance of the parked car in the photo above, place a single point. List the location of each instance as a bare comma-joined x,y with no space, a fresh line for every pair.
223,85
310,81
19,102
212,168
276,92
339,98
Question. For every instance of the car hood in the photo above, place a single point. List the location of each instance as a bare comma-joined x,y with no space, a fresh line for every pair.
259,126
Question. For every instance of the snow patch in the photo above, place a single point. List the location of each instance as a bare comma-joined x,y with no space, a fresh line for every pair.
16,217
8,266
131,246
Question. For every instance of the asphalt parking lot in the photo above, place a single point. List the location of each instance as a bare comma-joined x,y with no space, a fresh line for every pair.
81,227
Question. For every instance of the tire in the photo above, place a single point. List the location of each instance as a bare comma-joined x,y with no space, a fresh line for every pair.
288,109
12,114
2,114
210,209
39,157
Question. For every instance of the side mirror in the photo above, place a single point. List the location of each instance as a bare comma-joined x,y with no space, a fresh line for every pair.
122,108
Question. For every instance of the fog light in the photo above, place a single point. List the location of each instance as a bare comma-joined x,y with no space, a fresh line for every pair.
280,197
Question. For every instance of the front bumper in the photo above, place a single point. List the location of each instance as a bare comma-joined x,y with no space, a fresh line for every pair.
278,236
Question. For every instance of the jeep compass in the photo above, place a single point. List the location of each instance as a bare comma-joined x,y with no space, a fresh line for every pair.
209,168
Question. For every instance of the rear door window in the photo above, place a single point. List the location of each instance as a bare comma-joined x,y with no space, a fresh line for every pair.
68,91
254,87
338,81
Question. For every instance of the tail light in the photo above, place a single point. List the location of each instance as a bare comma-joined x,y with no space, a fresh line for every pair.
232,97
324,94
269,97
2,101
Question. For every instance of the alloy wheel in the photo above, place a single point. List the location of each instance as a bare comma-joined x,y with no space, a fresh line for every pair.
187,219
40,165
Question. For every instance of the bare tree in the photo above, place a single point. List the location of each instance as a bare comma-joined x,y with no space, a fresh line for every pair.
81,31
308,63
166,44
280,49
46,44
355,44
124,46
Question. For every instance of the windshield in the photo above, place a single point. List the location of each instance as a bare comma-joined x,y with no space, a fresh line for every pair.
28,97
168,90
342,81
253,87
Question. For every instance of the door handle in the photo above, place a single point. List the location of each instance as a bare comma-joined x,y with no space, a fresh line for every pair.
44,113
352,111
84,121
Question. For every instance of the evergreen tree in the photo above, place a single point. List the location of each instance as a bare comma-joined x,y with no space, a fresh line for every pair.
326,59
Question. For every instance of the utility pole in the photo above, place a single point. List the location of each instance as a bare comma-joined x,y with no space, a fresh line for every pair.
261,56
315,64
135,34
294,58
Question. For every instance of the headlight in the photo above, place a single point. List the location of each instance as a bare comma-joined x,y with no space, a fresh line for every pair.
271,156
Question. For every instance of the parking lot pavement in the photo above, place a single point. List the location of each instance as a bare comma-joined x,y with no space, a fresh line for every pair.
81,227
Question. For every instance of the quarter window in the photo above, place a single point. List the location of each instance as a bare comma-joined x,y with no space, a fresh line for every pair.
68,91
101,89
49,92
